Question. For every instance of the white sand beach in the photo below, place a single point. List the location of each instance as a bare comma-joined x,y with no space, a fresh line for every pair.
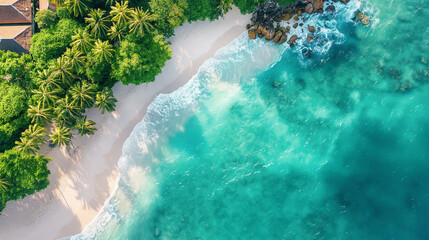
83,175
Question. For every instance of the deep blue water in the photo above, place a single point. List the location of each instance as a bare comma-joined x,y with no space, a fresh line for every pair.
267,144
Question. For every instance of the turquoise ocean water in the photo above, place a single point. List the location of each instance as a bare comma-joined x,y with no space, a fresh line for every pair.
264,143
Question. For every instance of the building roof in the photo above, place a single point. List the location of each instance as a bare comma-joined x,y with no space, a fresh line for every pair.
15,11
15,38
44,4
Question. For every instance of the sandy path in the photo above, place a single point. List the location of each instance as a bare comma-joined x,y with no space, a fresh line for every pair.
83,175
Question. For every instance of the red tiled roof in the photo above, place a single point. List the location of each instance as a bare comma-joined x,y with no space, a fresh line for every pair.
18,11
15,38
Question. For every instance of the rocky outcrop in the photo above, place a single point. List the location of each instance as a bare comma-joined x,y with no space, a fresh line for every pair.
362,18
252,33
267,17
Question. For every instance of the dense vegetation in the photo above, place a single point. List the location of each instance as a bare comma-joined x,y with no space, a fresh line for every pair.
78,55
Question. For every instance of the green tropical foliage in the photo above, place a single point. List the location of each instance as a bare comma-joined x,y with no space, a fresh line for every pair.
139,61
77,7
60,136
121,13
46,96
39,114
85,127
51,42
82,41
117,32
83,94
62,71
98,23
13,110
75,59
141,22
45,80
171,14
105,101
67,111
45,18
103,51
21,174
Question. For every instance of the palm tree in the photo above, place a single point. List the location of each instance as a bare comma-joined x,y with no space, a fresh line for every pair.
103,51
27,144
117,32
58,2
224,6
121,13
61,70
140,21
36,132
77,7
45,95
39,115
45,79
97,23
75,59
85,127
83,94
61,136
67,111
105,101
82,41
3,184
110,2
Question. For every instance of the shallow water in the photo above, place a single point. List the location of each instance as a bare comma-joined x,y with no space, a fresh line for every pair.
266,144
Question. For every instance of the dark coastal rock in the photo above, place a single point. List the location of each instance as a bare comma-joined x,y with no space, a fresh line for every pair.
318,4
266,13
293,38
267,17
309,8
307,53
270,34
345,1
363,18
277,36
309,38
283,39
287,16
311,29
330,8
252,33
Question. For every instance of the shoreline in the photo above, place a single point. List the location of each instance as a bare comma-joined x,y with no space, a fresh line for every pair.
84,174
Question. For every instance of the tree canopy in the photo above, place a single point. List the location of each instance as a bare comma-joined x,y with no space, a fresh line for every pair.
13,119
22,174
140,61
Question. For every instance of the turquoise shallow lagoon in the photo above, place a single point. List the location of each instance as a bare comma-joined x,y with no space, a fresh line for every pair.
267,144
